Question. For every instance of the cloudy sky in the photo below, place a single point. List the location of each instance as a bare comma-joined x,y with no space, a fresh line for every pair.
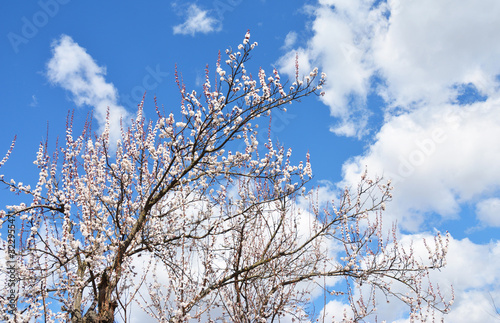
412,91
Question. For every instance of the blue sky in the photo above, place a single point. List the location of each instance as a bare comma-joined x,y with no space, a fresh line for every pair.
413,93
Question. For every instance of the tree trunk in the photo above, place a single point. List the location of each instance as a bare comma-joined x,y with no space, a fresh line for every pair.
105,305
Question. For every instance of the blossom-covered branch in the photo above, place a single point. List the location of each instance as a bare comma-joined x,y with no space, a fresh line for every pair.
189,216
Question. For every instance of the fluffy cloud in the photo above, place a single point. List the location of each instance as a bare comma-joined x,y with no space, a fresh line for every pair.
472,272
339,45
438,158
73,69
421,52
335,311
290,40
428,46
488,212
197,21
440,150
420,57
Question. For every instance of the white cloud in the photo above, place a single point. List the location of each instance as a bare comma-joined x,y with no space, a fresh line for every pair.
475,306
428,46
340,46
438,158
197,21
335,311
73,69
287,62
488,212
472,270
440,154
34,101
290,40
419,49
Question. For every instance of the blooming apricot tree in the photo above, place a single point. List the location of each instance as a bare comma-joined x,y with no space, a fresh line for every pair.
190,217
